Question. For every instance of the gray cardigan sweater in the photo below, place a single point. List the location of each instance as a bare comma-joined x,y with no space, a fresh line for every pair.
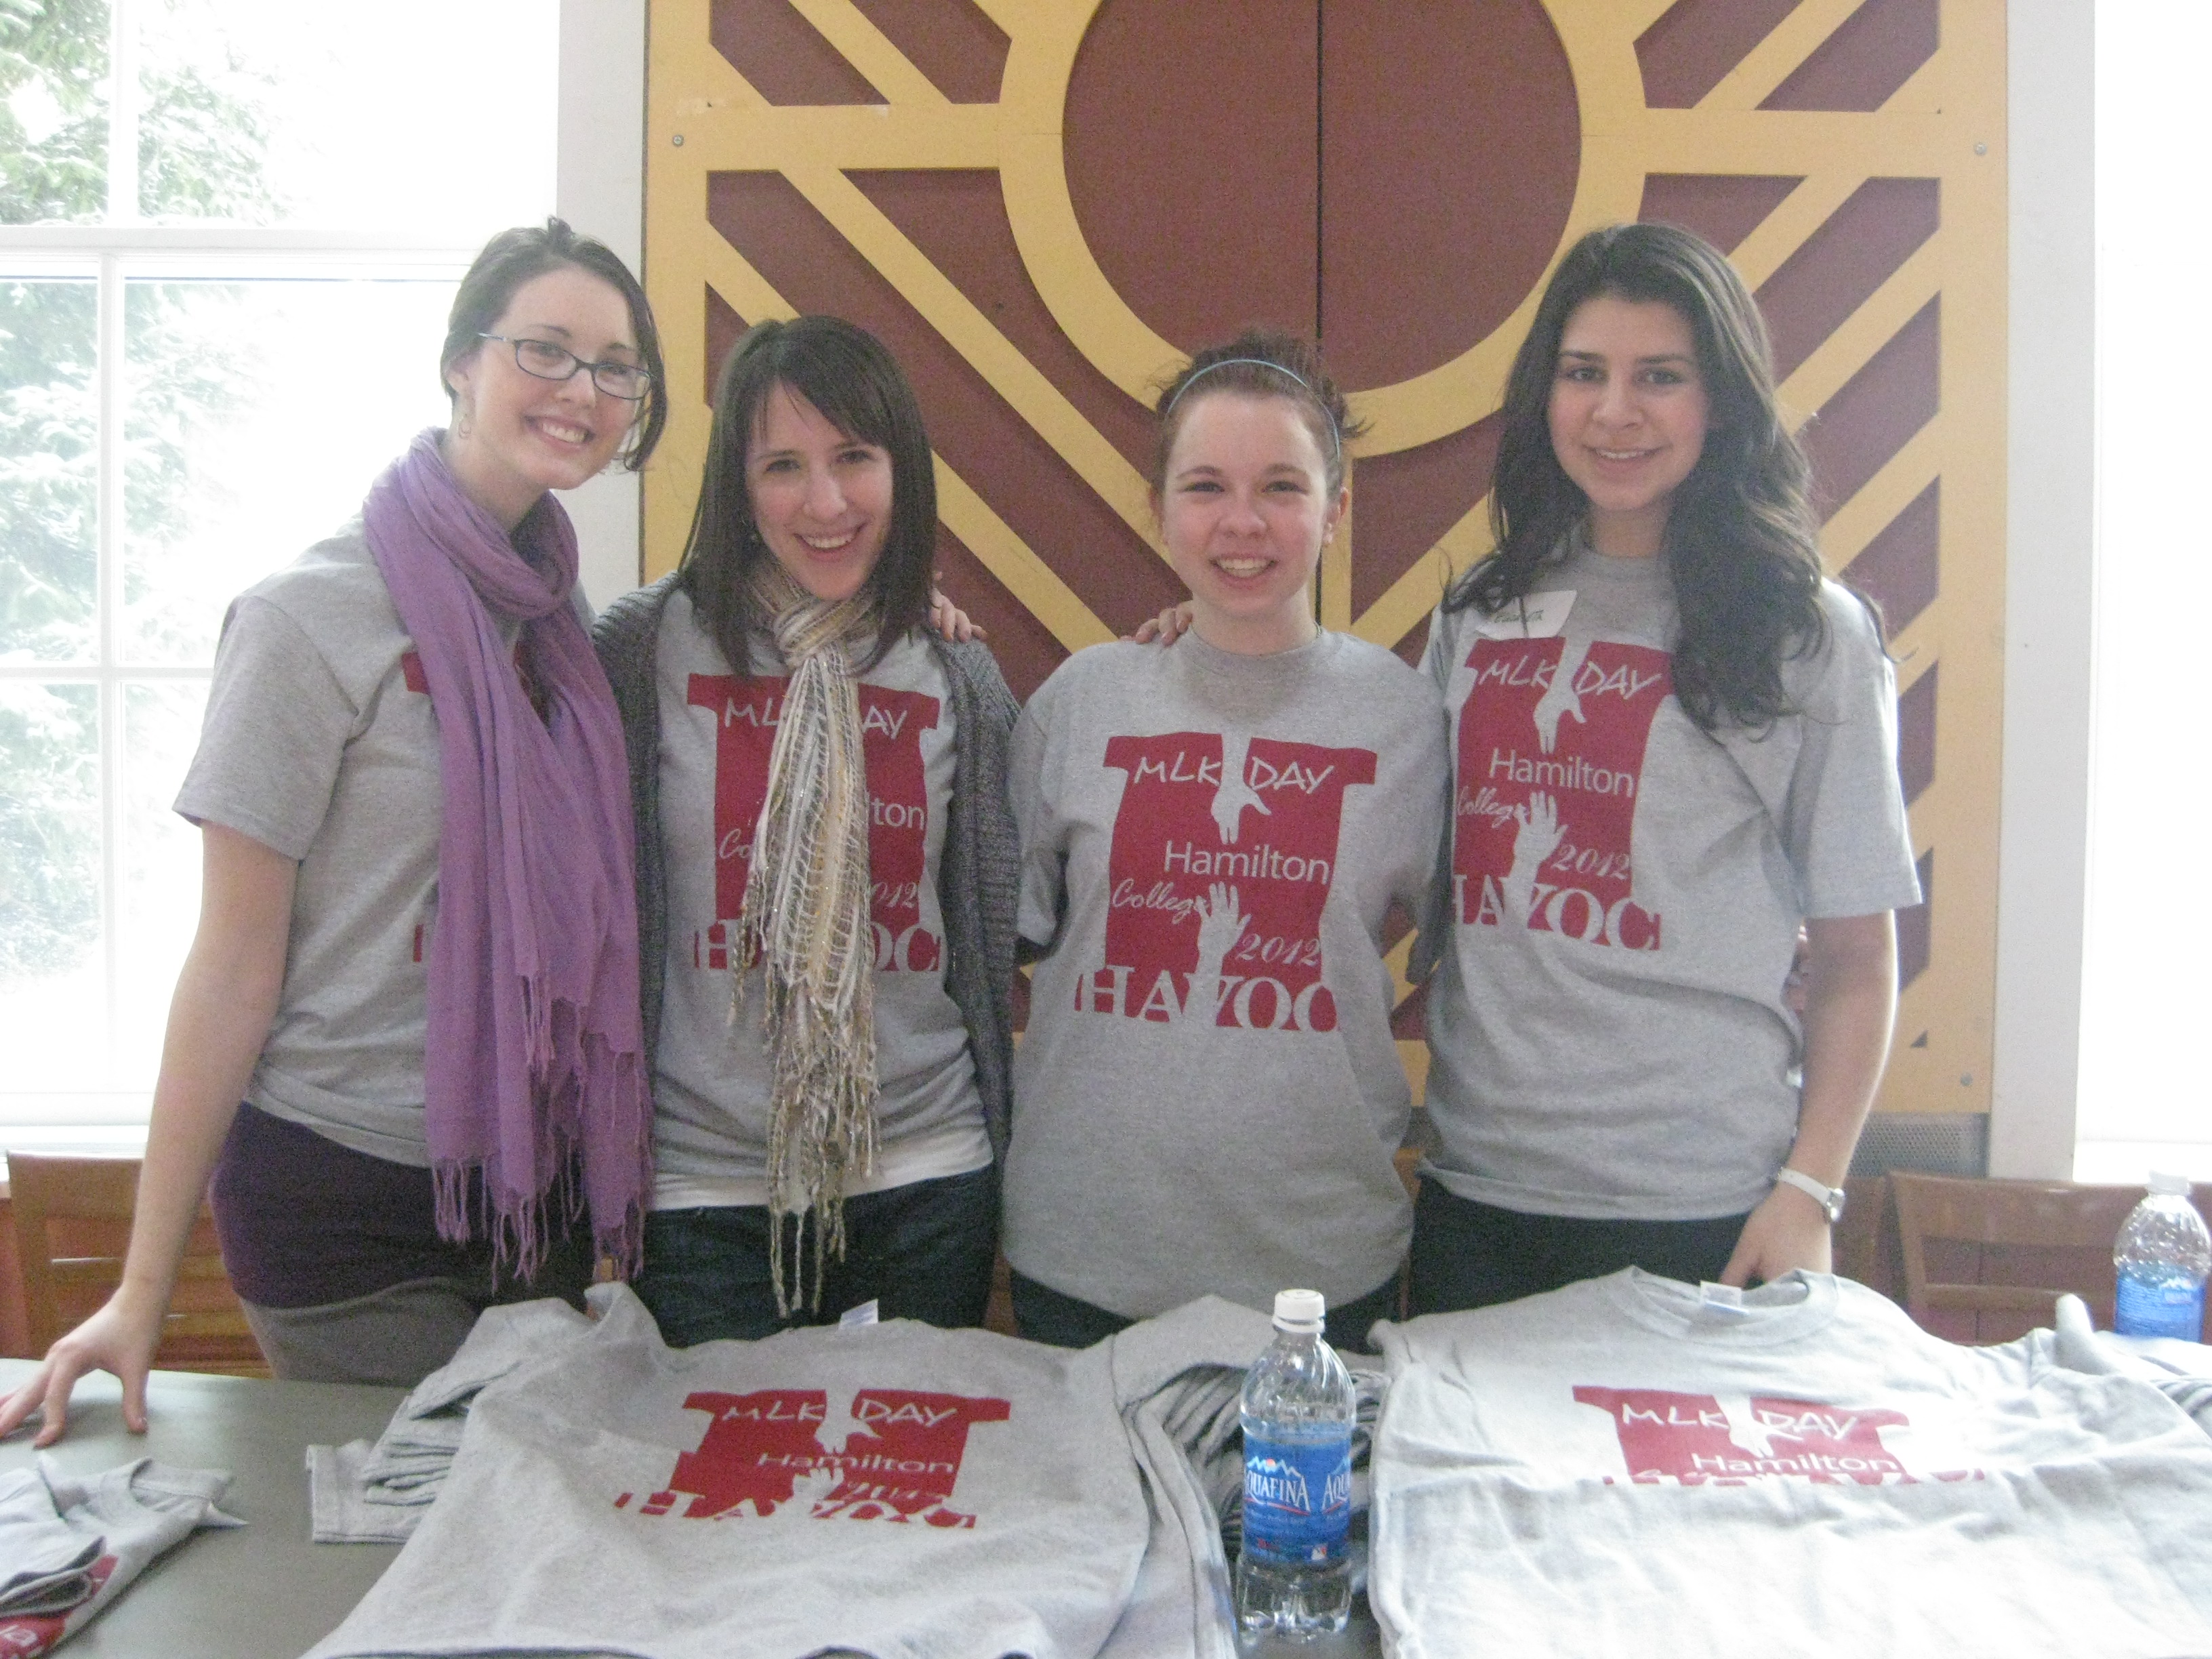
979,875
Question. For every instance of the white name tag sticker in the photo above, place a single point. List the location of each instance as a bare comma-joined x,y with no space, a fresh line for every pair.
1533,617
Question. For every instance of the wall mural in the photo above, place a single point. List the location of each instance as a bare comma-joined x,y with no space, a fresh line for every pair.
1041,205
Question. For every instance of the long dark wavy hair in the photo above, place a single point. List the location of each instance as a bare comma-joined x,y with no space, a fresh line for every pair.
1740,543
856,383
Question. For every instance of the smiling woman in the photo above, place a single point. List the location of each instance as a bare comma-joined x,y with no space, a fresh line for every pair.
211,223
416,959
1627,417
825,867
1676,746
1212,833
822,499
1246,510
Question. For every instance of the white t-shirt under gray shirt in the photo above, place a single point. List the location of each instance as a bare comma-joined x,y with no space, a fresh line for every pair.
1209,1095
1607,1028
711,1076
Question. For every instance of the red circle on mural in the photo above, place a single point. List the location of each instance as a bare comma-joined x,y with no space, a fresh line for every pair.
1391,178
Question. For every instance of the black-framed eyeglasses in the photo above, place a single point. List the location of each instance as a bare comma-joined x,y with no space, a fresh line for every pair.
545,361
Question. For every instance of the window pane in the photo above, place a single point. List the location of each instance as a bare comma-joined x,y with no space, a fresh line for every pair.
53,112
415,115
260,412
160,903
53,1007
49,469
2145,983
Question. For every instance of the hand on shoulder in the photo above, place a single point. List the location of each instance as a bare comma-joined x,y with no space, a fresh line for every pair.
1170,625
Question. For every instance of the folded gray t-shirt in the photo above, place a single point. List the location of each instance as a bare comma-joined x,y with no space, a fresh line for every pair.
887,1489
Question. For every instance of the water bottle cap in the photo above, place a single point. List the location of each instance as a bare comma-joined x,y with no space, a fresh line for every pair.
2165,1180
1299,1310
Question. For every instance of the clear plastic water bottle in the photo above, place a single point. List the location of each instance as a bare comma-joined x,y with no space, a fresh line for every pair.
1294,1576
2162,1257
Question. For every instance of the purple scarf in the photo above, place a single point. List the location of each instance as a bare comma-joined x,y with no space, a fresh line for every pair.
535,1042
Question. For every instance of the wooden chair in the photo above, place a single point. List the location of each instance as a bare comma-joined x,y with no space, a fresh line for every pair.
1986,1260
72,1223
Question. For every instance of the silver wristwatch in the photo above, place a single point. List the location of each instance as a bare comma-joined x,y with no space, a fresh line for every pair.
1830,1199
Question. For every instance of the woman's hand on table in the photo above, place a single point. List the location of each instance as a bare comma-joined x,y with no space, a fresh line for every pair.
120,1337
1787,1231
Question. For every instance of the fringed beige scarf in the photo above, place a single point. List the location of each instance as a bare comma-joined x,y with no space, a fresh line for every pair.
806,920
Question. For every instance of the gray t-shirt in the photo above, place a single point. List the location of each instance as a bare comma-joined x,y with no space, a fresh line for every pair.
1157,1156
712,1074
885,1490
1799,1470
1607,1028
319,743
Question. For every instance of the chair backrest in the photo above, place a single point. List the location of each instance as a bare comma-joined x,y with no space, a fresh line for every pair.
1986,1260
72,1224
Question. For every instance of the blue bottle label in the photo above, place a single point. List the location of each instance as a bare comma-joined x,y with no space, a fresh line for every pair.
2172,1307
1297,1499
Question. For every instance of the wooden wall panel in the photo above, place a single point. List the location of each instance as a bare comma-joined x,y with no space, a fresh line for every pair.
1041,203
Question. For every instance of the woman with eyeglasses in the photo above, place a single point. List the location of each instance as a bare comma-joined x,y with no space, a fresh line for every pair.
416,964
827,868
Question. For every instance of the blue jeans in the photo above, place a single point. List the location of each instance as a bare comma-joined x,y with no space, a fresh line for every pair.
1468,1254
921,1251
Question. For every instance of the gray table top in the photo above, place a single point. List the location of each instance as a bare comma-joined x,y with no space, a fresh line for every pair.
260,1591
265,1590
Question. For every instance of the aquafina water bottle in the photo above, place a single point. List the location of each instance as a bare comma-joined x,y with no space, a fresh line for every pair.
1294,1577
2162,1257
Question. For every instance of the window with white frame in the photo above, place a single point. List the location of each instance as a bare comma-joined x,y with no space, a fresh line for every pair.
2145,976
230,232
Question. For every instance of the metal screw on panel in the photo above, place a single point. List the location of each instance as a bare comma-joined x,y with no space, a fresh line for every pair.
1979,149
1966,1080
676,138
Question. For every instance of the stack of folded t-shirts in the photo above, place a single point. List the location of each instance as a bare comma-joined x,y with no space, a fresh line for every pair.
2182,1371
69,1546
888,1488
374,1493
1636,1465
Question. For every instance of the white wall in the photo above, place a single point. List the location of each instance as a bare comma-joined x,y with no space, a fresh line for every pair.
2049,609
600,190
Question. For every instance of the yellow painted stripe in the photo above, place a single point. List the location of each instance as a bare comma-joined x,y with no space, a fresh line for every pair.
1414,595
1008,557
731,275
1794,141
1856,340
1882,497
1779,56
726,137
1795,218
865,47
969,332
1915,647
